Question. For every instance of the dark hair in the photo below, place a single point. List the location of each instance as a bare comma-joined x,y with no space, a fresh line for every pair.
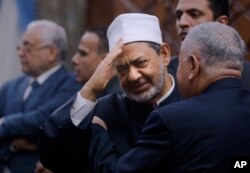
155,46
101,32
219,7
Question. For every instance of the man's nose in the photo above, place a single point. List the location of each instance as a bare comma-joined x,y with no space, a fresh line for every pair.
184,21
134,74
75,59
20,51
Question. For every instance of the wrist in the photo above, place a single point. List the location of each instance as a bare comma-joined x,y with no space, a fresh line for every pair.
89,92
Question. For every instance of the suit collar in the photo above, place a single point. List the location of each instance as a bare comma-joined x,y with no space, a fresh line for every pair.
224,83
44,76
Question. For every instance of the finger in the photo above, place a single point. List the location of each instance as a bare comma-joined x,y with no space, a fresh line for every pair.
115,52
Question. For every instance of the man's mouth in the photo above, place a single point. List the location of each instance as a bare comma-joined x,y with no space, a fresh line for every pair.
138,88
182,35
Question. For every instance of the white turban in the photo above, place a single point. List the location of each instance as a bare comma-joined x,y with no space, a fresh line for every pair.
133,27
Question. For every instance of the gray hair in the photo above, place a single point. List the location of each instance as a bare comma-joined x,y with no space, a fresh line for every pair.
52,33
219,45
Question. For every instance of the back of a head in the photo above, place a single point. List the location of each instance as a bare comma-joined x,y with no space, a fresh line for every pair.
218,45
219,7
101,32
52,33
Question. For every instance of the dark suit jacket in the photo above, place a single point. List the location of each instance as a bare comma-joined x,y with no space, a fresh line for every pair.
24,118
245,76
123,117
199,134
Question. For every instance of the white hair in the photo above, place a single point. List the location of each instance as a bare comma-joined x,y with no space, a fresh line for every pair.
218,44
52,33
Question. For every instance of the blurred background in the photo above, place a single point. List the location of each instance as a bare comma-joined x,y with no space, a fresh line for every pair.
76,15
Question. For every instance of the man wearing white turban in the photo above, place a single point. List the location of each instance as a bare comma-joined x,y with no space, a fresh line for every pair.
140,59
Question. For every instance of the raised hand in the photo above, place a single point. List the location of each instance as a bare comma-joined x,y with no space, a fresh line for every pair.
102,75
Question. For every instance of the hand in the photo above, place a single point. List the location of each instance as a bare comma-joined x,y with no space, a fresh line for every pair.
102,75
41,169
22,144
97,120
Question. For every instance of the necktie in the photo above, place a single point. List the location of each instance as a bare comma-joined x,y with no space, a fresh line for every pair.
34,85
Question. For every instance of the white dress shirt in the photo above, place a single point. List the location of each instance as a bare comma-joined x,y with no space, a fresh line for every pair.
40,79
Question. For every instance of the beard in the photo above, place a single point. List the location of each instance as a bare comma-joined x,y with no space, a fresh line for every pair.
147,96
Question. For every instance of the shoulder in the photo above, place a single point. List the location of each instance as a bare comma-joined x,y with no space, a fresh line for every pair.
181,110
113,99
15,82
63,78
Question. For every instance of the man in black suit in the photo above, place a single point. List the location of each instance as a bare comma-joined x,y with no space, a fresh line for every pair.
190,13
202,132
141,67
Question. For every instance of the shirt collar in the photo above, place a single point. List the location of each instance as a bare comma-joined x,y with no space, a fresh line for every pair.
169,91
42,78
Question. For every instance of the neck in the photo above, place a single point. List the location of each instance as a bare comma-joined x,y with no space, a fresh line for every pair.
213,76
165,88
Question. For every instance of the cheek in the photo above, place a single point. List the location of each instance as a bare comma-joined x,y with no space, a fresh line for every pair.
83,64
123,81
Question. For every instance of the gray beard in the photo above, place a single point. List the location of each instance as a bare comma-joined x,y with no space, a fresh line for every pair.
148,96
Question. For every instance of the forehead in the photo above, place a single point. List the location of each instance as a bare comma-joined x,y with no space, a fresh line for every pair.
32,35
136,50
89,39
184,5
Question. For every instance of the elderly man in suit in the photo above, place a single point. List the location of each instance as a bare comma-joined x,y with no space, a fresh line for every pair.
190,13
27,101
144,80
202,132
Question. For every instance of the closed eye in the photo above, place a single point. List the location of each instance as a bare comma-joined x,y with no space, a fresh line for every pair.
82,53
140,63
122,69
194,13
178,15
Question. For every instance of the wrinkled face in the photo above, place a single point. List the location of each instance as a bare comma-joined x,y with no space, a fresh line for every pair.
141,71
86,59
190,13
35,56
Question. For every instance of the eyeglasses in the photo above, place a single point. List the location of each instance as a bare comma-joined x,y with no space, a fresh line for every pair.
29,48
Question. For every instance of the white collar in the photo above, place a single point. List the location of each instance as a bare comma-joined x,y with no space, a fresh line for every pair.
169,91
42,77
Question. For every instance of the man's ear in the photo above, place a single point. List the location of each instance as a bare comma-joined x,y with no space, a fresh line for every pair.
53,52
223,19
195,66
165,54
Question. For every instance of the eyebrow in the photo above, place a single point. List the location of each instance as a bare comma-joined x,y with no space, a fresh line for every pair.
82,52
26,43
138,59
190,9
